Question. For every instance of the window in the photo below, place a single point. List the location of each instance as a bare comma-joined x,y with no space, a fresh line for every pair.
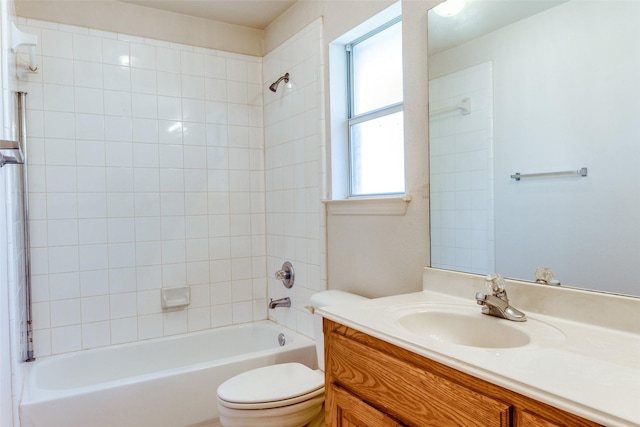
375,116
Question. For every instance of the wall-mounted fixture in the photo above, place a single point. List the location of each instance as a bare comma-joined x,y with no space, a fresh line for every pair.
286,274
20,38
578,173
175,297
274,85
10,153
282,302
464,107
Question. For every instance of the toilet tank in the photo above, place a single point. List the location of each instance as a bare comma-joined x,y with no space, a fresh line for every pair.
325,299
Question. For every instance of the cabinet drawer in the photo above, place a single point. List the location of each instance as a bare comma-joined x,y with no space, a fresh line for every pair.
347,410
419,399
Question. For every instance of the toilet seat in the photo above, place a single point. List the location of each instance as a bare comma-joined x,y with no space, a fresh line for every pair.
271,387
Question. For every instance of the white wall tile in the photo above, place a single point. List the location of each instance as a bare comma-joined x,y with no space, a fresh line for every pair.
144,81
194,133
58,97
121,255
87,48
115,52
97,334
145,130
87,74
168,60
148,253
143,56
65,312
150,326
169,132
124,330
66,339
93,257
90,205
144,105
57,43
130,137
169,84
90,153
119,154
192,87
95,282
147,204
120,179
122,280
149,277
118,128
117,103
116,77
57,71
95,309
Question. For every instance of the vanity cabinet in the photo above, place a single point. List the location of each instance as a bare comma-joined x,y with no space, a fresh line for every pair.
370,382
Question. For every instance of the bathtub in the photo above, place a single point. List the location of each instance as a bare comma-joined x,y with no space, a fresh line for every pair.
168,381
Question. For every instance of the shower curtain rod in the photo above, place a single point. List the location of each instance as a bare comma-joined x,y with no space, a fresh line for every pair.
22,140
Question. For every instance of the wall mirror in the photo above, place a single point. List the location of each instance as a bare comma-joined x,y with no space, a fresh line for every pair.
533,87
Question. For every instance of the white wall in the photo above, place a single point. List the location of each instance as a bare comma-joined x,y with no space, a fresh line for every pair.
581,227
146,172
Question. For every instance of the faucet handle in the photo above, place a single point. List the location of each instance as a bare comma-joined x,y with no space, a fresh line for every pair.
494,284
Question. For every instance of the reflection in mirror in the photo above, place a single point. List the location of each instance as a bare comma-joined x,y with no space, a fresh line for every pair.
533,87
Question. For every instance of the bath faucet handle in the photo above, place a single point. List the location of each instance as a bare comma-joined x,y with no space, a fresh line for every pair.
286,274
282,275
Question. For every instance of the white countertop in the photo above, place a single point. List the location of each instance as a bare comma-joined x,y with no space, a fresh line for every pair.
593,371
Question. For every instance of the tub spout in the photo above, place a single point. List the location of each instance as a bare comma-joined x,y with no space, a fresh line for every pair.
282,302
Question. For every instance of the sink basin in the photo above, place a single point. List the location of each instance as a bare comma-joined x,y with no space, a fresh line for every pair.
475,330
465,325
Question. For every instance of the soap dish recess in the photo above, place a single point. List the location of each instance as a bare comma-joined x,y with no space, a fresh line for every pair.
176,297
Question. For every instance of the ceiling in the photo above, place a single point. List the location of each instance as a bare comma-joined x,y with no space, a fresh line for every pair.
248,13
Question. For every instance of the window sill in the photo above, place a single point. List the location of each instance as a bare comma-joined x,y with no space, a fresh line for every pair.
396,206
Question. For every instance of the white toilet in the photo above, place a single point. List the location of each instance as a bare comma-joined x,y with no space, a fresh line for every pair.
283,395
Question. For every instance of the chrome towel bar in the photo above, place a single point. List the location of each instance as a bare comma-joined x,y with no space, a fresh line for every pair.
518,176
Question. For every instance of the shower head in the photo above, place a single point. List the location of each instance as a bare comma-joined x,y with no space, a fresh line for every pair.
274,85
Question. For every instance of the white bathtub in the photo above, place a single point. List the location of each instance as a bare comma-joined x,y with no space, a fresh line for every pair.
162,382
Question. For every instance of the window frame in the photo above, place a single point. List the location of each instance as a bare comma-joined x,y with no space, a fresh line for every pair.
353,120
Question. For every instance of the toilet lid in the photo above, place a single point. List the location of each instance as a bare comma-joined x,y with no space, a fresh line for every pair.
271,383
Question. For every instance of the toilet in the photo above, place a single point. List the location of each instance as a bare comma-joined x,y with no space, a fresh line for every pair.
282,395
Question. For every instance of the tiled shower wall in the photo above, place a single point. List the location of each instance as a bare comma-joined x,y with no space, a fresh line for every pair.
295,171
147,171
462,231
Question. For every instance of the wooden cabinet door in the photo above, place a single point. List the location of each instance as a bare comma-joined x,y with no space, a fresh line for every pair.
346,410
409,393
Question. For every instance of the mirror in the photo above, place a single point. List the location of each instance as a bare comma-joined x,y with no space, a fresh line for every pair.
532,87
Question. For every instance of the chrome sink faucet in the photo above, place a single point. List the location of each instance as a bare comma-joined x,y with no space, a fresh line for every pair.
497,304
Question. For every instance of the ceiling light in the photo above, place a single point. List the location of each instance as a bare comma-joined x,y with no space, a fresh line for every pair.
449,8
